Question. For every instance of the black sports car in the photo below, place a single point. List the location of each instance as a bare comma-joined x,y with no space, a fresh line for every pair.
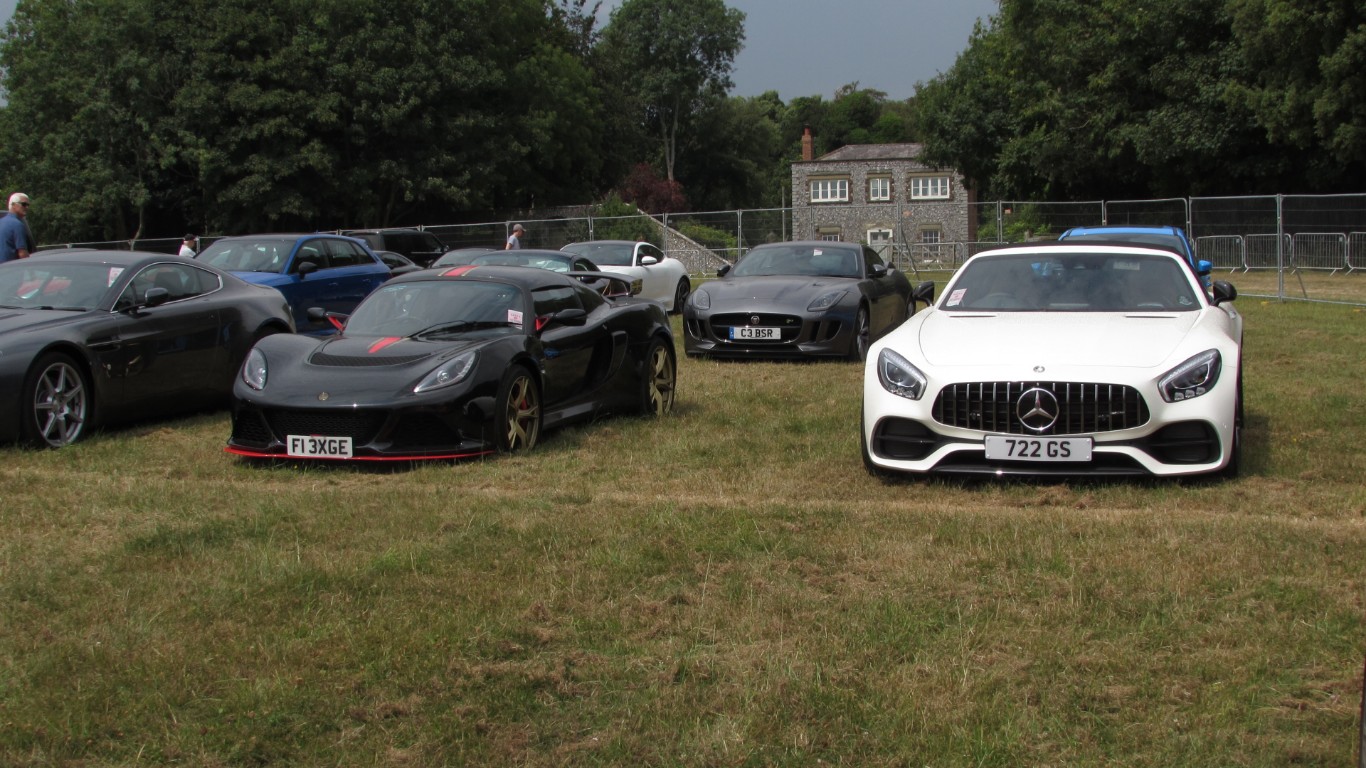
452,363
92,337
800,299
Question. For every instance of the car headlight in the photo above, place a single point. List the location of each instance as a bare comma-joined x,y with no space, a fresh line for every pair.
1192,378
701,300
254,369
898,376
825,301
453,371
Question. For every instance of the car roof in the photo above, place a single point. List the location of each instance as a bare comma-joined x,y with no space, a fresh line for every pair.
525,277
809,244
379,231
1122,229
99,256
1081,246
608,242
285,236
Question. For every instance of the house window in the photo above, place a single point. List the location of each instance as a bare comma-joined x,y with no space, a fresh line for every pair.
879,189
929,187
830,191
930,246
831,234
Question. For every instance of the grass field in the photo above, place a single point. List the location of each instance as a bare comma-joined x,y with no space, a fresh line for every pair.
725,587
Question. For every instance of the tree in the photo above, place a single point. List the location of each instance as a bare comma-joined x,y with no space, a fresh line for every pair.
676,54
232,116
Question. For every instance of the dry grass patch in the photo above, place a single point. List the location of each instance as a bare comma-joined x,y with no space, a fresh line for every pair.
727,587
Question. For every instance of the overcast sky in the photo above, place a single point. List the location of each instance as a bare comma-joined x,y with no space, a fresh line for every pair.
813,47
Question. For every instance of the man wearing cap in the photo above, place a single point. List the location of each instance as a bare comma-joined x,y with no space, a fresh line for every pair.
188,246
15,240
515,239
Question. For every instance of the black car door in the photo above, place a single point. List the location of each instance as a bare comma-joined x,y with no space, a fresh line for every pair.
883,300
568,346
172,355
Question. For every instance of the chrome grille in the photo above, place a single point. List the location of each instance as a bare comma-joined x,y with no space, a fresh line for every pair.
990,406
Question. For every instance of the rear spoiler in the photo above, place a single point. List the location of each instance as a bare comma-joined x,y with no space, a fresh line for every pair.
619,285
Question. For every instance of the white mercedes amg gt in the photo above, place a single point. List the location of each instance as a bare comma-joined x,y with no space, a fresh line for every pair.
1061,358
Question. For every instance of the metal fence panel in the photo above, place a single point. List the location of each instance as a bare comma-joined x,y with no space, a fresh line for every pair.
1223,251
1318,250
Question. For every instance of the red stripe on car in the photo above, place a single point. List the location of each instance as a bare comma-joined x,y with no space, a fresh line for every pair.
382,343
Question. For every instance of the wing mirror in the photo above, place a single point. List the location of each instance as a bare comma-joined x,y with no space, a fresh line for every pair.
1224,291
722,271
306,268
155,297
318,315
923,292
648,261
1203,266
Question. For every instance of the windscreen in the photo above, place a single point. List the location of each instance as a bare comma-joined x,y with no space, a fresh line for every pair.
39,284
1077,282
437,307
249,255
799,260
605,254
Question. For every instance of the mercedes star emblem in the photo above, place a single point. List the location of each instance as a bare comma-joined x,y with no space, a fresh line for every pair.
1037,409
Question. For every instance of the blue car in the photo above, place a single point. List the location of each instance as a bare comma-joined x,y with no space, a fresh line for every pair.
316,270
1170,238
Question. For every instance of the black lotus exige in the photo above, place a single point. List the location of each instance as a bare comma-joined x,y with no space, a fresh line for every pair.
452,363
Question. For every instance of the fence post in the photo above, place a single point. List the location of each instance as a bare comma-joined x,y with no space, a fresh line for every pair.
1280,247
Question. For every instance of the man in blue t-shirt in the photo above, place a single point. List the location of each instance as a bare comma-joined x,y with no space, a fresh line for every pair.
15,241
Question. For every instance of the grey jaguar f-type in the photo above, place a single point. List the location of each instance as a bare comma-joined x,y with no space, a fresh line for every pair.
800,299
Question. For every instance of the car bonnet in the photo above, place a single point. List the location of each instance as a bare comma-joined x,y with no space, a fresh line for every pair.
1080,339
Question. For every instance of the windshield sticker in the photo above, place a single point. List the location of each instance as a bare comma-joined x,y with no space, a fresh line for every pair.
1129,266
515,317
956,297
817,252
114,273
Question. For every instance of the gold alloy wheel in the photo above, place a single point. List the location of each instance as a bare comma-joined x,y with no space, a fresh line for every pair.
663,379
523,416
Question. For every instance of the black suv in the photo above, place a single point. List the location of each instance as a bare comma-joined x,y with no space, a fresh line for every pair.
419,246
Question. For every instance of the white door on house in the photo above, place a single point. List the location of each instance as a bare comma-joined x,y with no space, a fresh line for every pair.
880,240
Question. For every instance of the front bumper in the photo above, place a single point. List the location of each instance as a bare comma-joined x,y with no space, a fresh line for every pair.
801,334
376,434
1185,438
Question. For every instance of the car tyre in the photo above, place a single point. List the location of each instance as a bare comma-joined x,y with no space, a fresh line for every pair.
57,402
681,295
873,469
518,420
659,379
1235,453
858,347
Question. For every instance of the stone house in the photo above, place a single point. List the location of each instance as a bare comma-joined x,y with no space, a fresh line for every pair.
883,195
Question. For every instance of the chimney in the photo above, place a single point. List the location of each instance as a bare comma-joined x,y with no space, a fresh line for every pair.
808,146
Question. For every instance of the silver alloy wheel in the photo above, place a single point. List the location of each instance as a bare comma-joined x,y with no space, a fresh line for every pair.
862,336
60,403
